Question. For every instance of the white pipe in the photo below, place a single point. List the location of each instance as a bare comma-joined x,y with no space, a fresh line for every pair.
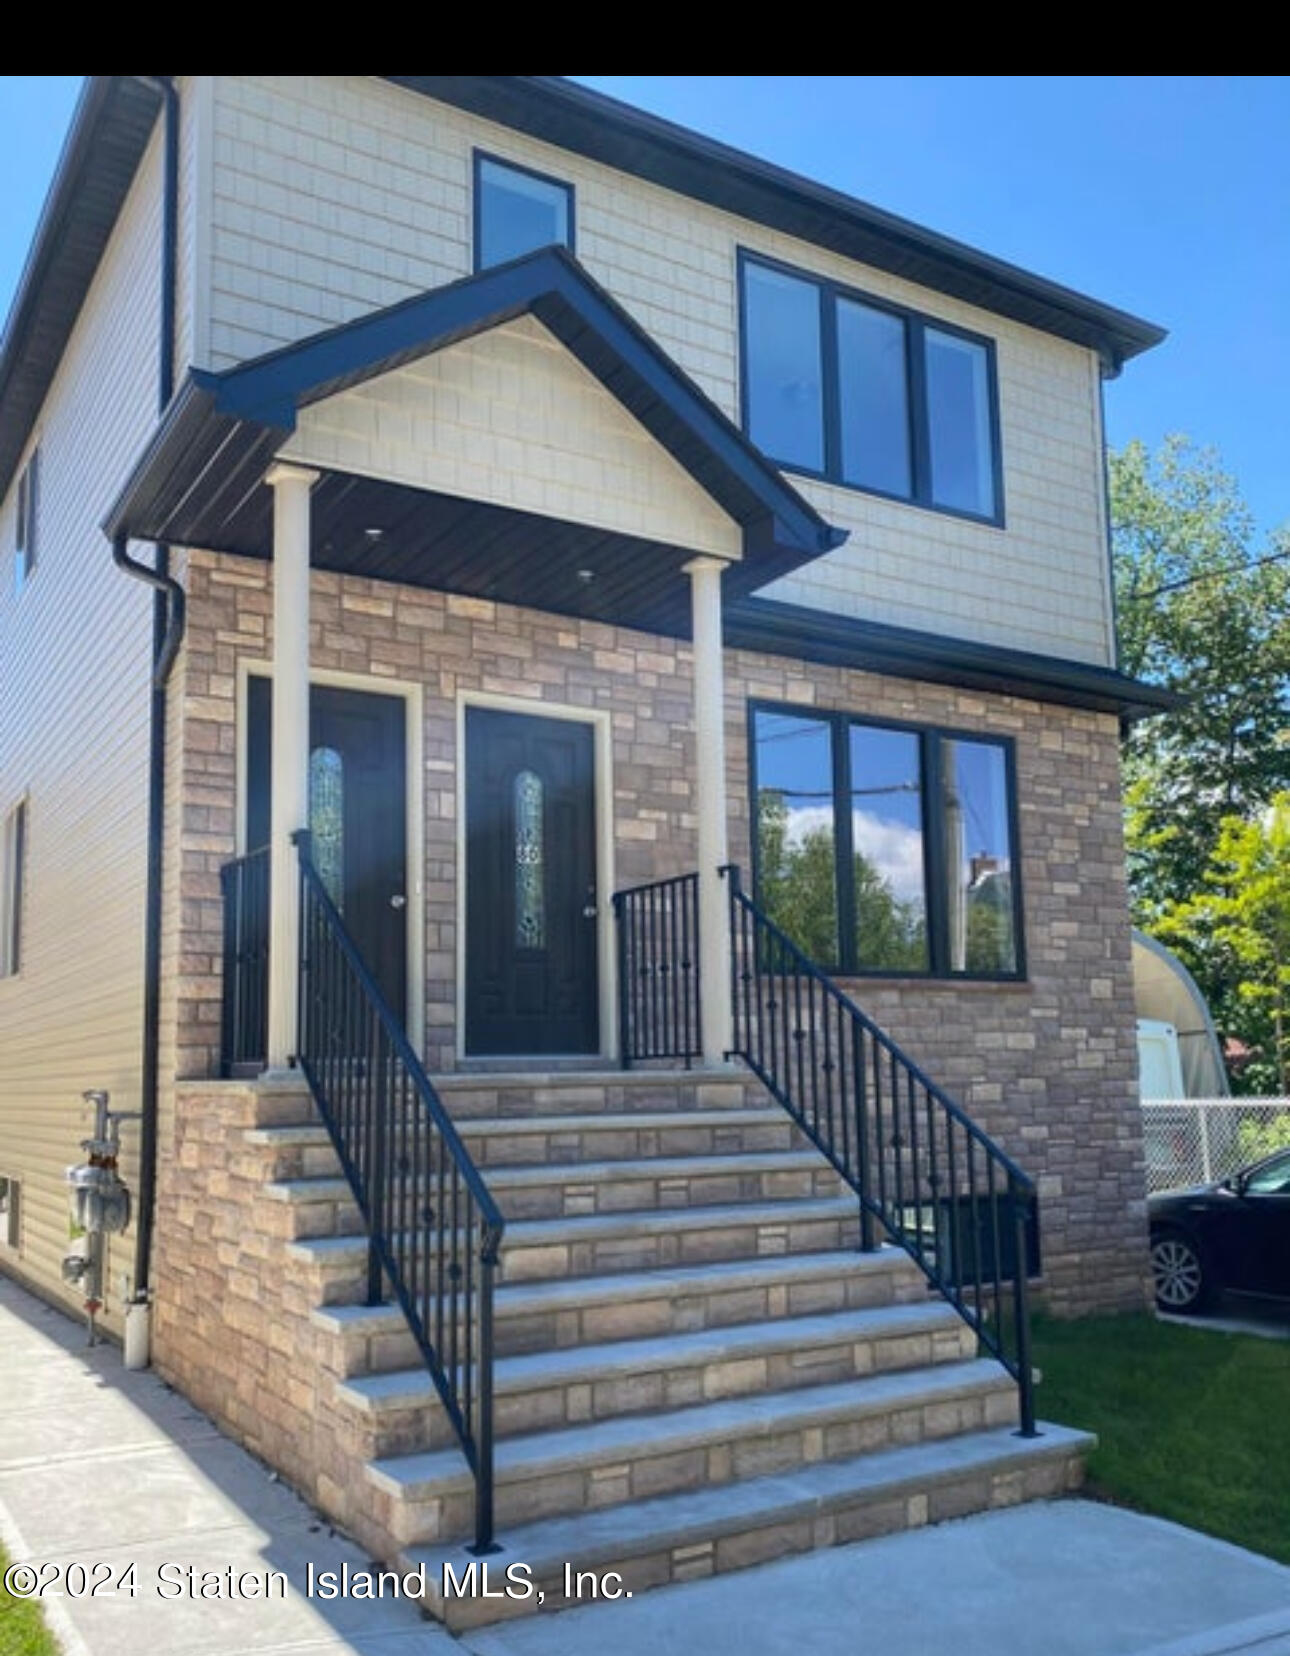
138,1334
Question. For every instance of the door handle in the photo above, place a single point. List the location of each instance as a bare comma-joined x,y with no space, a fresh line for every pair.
398,901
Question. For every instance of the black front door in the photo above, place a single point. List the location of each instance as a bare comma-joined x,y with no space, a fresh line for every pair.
357,812
530,885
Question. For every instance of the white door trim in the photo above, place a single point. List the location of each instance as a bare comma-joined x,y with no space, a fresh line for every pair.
413,697
606,952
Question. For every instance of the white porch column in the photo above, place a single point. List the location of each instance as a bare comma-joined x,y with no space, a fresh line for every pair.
289,789
710,806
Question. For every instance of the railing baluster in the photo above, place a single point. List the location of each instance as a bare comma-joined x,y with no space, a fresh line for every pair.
995,1247
915,1172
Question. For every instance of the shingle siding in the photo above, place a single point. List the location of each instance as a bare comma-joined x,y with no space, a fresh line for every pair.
336,195
510,417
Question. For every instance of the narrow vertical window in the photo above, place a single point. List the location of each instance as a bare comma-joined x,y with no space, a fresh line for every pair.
13,856
783,371
980,904
10,1231
796,839
887,850
24,534
958,423
530,863
327,820
872,386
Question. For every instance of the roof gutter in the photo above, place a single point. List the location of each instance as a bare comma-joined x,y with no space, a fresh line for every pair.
168,616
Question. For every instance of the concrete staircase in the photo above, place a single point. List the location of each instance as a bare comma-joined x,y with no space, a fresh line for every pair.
697,1369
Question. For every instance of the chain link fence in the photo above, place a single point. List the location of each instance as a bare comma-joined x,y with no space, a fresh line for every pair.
1201,1140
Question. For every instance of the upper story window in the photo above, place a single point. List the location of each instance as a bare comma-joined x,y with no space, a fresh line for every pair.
887,848
868,394
25,523
13,856
517,211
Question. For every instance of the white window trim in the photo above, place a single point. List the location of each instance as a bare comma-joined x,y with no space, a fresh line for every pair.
15,833
10,1212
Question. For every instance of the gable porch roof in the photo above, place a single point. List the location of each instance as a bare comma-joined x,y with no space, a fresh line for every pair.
199,481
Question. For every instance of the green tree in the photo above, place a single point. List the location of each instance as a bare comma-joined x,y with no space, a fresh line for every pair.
1241,915
1204,610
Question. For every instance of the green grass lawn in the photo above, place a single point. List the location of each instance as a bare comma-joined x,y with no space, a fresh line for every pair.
22,1628
1193,1425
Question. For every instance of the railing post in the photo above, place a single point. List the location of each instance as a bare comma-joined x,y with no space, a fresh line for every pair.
620,940
1020,1200
378,1187
231,985
484,1443
868,1237
1206,1153
729,872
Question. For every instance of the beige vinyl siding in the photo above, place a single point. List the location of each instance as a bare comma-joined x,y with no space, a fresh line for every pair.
335,195
511,417
74,660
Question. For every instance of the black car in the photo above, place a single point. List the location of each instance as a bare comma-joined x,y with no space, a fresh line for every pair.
1234,1235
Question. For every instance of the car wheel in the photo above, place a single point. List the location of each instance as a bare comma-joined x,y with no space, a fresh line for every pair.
1181,1279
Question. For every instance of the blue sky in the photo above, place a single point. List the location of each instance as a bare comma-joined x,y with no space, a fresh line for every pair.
1168,196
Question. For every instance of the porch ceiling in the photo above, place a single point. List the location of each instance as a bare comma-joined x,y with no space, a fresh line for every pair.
200,481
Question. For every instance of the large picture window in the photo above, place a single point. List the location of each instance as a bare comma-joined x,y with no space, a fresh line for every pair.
887,848
869,394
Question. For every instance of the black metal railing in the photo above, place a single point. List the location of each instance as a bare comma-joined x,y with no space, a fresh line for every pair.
245,1012
657,927
434,1229
924,1171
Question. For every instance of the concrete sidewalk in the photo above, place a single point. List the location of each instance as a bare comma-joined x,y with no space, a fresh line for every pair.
97,1465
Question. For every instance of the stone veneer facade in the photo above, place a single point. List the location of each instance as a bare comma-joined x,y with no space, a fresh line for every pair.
1047,1066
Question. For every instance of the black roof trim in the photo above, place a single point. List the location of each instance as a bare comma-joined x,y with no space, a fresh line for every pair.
105,143
263,396
572,117
902,652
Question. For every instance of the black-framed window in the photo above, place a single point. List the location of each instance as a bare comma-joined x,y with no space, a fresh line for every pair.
866,393
887,848
518,211
25,522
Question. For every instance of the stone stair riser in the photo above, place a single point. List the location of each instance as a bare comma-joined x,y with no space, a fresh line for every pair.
571,1197
858,1285
405,1428
864,1516
611,1139
734,1240
650,1472
466,1100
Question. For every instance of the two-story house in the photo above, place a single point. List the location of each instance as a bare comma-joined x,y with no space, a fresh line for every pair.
559,744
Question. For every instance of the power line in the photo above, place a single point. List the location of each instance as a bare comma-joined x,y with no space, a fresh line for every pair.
1208,575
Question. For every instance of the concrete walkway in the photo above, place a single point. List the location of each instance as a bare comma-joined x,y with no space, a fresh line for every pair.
97,1465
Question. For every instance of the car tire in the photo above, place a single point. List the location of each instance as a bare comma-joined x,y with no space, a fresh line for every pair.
1180,1273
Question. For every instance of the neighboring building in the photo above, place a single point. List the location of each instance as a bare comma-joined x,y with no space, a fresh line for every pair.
476,394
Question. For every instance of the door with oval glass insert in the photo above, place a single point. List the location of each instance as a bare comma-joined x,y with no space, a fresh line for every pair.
531,985
357,814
